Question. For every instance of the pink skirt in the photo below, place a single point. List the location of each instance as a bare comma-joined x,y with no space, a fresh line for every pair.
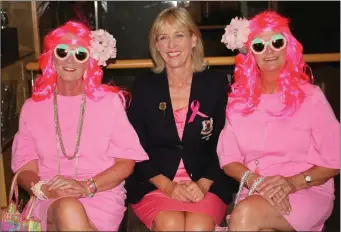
156,201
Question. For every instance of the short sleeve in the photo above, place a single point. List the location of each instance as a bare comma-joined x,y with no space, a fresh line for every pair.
23,148
324,149
227,148
124,140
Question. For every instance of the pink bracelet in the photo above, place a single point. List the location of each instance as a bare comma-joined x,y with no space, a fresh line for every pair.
92,185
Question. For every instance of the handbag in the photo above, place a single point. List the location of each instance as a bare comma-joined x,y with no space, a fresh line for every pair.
11,217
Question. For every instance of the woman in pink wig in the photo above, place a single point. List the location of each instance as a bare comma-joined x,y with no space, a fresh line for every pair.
281,140
74,137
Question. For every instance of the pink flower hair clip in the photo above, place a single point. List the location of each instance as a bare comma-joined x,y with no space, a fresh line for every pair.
103,46
236,34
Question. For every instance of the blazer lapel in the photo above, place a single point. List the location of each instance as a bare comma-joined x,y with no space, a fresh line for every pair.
168,116
197,93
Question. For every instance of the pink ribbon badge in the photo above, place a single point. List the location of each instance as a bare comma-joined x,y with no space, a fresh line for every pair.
195,105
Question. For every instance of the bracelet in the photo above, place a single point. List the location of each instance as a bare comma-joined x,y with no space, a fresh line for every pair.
255,184
36,190
248,178
92,187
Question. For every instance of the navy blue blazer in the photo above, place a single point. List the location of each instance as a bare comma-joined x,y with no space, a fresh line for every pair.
158,134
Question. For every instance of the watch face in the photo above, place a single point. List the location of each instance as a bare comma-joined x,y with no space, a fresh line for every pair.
308,179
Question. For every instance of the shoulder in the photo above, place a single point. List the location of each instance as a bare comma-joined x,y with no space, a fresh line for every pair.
112,97
215,77
214,81
31,110
313,93
32,107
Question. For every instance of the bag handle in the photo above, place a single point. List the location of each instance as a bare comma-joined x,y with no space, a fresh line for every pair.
241,185
14,188
30,205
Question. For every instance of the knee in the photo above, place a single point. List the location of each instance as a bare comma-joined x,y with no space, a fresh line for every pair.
66,211
68,206
69,214
169,223
244,215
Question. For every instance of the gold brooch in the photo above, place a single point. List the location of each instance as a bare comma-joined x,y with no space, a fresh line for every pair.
163,106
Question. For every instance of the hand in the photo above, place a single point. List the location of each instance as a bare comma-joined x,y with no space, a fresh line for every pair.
273,185
205,184
179,192
197,192
284,206
57,193
276,190
69,185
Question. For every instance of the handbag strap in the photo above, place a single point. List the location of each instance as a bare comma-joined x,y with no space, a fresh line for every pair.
14,188
30,206
251,190
241,185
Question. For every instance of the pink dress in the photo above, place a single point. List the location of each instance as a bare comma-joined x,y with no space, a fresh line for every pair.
288,146
107,134
155,201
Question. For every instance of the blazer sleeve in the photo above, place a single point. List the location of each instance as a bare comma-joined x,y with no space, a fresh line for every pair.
144,170
219,115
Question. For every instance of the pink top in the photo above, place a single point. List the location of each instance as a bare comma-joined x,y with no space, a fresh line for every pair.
180,121
107,134
284,146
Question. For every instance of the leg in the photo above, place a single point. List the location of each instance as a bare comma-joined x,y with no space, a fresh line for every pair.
68,214
169,220
255,214
198,222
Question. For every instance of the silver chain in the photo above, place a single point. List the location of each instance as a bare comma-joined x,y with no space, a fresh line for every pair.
59,140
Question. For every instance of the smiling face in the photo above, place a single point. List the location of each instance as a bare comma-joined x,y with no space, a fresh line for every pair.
175,46
69,62
272,59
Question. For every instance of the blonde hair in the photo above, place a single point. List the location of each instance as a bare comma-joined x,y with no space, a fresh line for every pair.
179,18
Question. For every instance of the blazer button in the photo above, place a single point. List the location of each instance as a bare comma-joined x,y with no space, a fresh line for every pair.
180,147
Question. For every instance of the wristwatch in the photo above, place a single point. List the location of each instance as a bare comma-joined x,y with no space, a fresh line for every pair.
307,178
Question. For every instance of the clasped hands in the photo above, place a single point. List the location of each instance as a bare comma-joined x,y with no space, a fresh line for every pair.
188,191
61,186
276,190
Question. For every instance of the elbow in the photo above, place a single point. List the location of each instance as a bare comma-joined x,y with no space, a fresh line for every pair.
336,172
129,167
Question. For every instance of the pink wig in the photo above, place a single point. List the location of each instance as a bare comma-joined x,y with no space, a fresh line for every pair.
246,89
46,83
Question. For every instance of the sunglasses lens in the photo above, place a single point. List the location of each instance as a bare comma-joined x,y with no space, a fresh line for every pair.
278,43
61,51
81,54
258,47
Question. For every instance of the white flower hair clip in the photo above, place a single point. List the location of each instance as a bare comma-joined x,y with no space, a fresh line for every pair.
103,46
236,34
